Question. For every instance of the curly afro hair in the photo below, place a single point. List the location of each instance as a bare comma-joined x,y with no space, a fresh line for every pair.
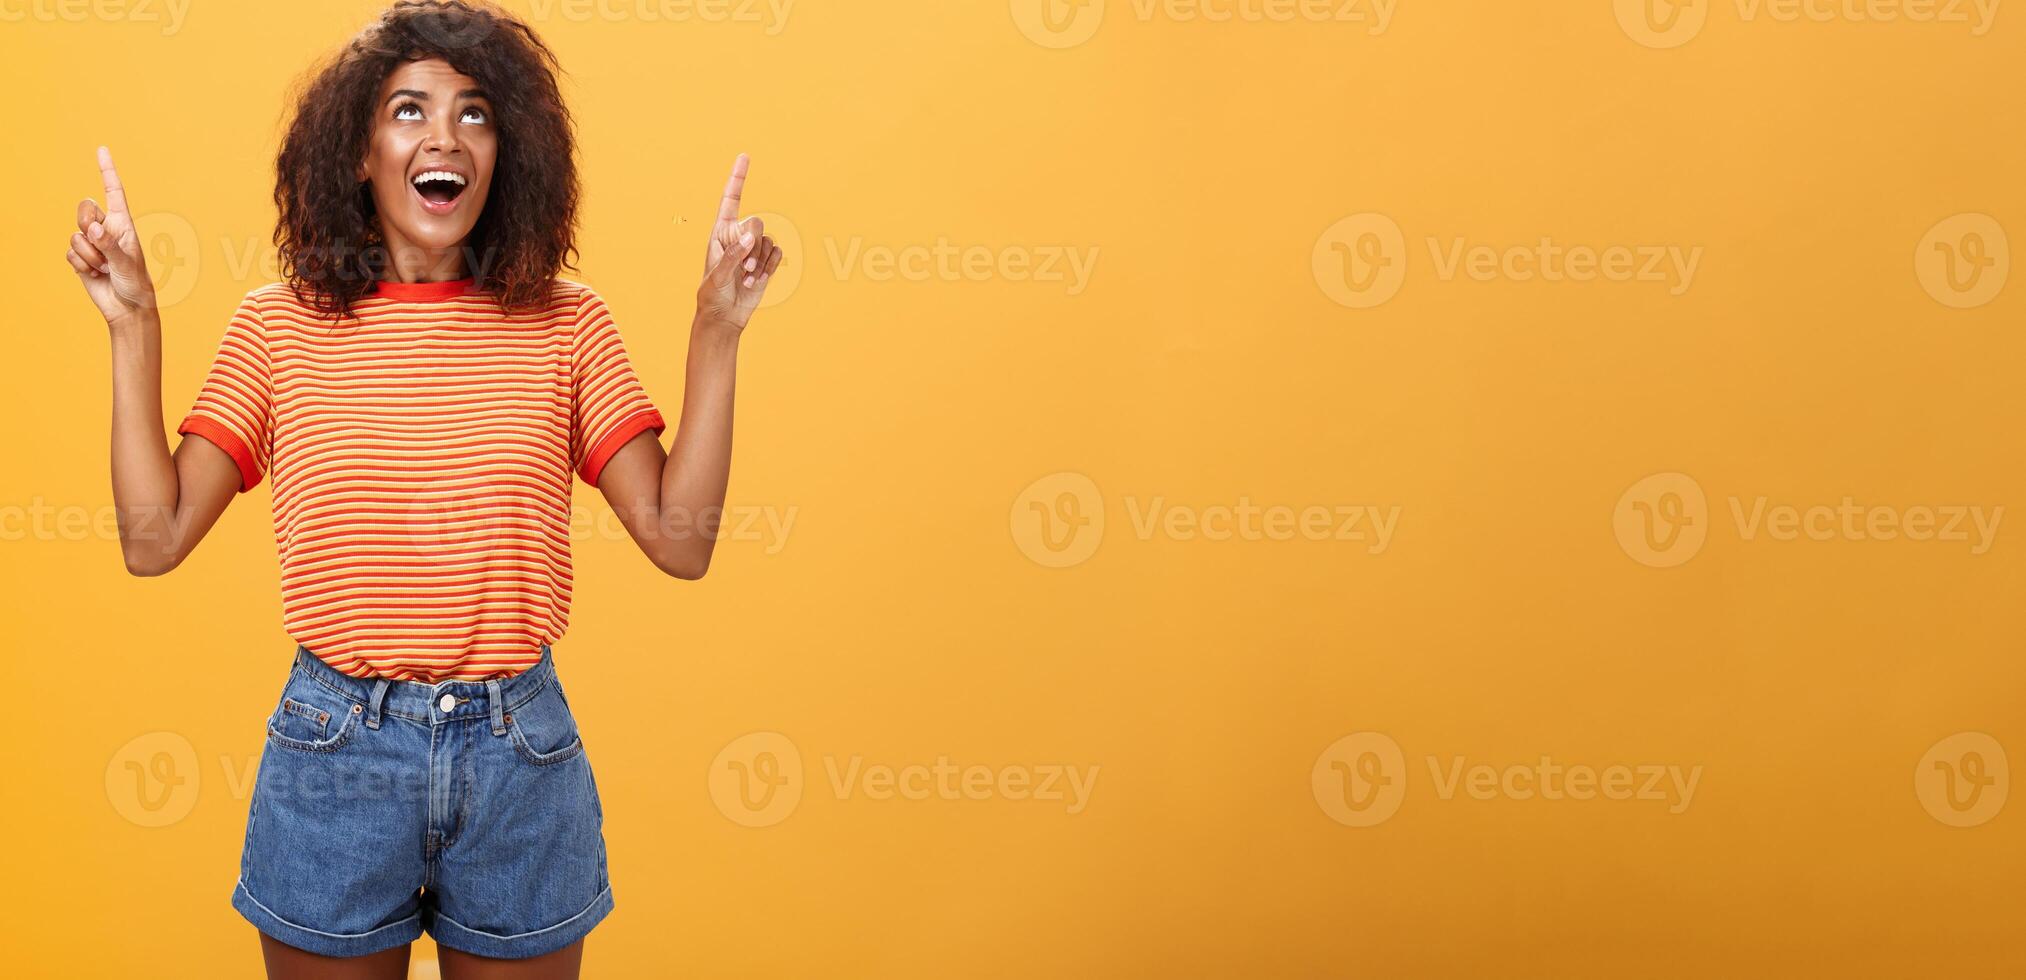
329,240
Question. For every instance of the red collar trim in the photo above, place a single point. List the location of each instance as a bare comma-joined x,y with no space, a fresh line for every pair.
449,289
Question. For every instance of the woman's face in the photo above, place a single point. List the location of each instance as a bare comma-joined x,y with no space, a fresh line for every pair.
431,155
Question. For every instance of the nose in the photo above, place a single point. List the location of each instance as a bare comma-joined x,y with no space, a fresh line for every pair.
441,137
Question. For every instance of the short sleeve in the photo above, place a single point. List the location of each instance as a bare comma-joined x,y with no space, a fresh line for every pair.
235,408
608,405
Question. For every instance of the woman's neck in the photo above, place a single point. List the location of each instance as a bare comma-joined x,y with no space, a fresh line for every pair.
411,263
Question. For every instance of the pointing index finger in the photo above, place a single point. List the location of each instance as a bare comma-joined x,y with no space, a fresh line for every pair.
728,209
116,196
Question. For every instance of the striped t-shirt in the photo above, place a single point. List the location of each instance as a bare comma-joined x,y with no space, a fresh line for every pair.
421,454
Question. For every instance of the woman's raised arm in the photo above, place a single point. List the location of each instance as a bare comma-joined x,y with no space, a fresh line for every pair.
671,501
165,504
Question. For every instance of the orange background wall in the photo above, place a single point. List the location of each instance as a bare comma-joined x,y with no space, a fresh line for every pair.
1569,318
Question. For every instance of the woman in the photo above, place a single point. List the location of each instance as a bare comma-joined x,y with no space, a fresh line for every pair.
421,387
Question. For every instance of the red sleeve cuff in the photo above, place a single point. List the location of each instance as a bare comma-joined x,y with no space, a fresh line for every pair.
633,425
197,425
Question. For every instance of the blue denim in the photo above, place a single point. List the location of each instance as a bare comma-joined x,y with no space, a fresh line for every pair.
381,810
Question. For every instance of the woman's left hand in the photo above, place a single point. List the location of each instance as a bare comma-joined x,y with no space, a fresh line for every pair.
737,263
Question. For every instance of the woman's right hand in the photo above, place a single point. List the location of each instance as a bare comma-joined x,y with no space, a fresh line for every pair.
106,253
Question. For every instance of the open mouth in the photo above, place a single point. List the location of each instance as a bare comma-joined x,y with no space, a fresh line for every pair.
438,189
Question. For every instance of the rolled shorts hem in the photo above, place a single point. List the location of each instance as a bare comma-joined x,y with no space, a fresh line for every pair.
324,943
458,936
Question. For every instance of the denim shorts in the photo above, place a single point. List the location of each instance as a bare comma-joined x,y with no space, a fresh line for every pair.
386,808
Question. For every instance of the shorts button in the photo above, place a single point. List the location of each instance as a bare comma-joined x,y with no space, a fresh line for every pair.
447,703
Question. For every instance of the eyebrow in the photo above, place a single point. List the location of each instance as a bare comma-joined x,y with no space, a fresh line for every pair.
420,96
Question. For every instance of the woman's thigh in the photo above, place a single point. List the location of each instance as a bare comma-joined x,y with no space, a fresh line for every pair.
561,964
285,962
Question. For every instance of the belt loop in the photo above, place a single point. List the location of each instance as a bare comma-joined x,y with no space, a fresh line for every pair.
498,706
373,703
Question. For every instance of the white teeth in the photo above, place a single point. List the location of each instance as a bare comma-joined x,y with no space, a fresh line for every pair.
457,179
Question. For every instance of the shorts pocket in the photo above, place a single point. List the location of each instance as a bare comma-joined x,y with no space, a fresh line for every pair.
311,718
542,729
